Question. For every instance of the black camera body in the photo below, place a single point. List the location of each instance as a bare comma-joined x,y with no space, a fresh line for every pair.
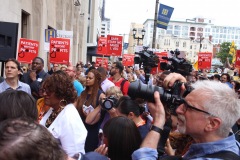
108,103
171,97
146,58
178,65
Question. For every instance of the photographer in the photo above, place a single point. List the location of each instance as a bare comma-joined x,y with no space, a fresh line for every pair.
206,114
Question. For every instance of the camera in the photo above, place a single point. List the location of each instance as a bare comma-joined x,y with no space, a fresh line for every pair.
148,60
171,97
108,103
178,65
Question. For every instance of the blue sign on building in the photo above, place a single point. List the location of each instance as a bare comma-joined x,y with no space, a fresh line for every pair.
50,33
125,46
164,15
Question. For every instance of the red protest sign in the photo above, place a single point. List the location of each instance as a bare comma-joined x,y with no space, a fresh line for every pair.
102,46
128,59
237,62
114,45
102,62
27,50
160,55
59,50
204,60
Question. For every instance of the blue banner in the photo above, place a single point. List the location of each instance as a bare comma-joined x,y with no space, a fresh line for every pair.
164,15
125,46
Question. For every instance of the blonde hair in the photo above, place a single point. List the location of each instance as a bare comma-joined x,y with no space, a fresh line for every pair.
115,91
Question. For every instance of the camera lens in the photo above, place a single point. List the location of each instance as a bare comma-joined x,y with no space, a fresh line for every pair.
140,90
107,105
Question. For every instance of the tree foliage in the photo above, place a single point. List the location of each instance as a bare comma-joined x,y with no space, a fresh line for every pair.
224,52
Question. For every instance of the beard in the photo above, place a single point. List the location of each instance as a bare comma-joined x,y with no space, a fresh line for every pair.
112,73
182,127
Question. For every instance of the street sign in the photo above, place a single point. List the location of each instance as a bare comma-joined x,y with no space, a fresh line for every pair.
49,33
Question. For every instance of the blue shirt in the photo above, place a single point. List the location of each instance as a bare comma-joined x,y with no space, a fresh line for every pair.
202,149
196,151
78,86
21,87
229,84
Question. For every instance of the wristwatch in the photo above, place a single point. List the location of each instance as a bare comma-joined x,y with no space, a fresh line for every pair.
156,129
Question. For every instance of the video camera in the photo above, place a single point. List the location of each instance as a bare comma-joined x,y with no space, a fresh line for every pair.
178,65
147,59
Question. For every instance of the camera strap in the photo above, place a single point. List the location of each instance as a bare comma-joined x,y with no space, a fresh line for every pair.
164,136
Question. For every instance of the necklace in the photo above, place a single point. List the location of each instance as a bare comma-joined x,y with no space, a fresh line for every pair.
53,116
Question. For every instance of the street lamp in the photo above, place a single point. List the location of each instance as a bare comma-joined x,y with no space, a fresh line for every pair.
201,38
138,38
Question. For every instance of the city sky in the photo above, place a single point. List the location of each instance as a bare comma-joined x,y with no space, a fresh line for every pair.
123,12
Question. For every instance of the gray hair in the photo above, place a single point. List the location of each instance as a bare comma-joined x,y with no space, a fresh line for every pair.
222,102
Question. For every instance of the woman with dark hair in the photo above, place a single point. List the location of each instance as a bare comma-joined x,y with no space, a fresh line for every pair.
122,138
88,102
16,104
62,119
131,109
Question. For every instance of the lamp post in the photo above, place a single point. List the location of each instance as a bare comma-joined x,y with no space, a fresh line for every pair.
138,38
201,38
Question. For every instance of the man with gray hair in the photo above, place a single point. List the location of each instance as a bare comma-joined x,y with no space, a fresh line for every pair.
207,114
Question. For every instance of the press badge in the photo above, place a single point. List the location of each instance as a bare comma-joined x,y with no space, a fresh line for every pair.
88,109
39,79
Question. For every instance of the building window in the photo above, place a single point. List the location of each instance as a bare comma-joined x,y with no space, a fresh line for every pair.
184,44
177,44
170,27
169,31
177,27
24,27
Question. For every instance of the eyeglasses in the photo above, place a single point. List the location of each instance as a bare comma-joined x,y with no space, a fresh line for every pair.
186,106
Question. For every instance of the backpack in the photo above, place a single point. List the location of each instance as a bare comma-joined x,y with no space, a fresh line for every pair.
122,84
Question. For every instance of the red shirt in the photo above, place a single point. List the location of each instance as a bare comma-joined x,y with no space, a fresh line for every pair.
118,84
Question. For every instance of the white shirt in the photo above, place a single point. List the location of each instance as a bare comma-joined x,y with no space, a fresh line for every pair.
106,84
69,129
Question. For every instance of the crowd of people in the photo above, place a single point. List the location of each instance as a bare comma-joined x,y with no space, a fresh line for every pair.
85,112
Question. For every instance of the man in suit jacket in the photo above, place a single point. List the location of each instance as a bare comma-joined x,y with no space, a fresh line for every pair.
35,76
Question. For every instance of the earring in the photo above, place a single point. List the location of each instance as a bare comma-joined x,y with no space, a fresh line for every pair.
62,105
